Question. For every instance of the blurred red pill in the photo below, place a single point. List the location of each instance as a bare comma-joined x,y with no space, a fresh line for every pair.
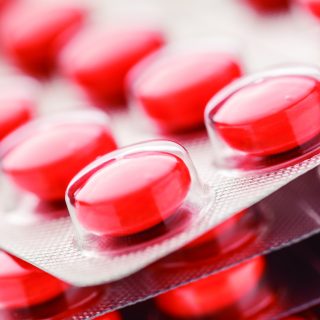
131,194
16,108
173,88
33,32
213,294
110,316
312,6
270,116
48,155
268,5
23,285
100,69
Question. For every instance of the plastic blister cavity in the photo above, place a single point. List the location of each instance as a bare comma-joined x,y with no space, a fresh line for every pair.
266,120
135,196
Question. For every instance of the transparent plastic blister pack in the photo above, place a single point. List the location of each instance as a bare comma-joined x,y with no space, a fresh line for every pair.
278,221
265,120
53,246
138,210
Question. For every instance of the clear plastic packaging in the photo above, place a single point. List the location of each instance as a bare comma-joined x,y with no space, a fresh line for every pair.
136,196
56,239
266,120
279,220
52,242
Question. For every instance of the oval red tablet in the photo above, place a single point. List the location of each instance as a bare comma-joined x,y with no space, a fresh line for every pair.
23,285
174,87
45,161
214,293
33,32
17,103
100,70
14,112
131,194
268,5
269,116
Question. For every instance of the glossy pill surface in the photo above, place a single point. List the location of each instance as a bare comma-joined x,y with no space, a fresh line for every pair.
33,32
100,70
173,88
23,285
214,293
131,194
271,116
47,159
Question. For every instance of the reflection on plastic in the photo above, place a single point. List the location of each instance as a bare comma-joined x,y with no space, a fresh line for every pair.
131,192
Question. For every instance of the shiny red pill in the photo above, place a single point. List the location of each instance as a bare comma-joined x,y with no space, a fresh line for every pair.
47,157
265,6
100,70
23,285
174,88
312,6
33,32
213,294
131,194
269,116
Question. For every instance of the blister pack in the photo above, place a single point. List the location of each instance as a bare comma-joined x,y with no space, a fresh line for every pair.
153,172
214,165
